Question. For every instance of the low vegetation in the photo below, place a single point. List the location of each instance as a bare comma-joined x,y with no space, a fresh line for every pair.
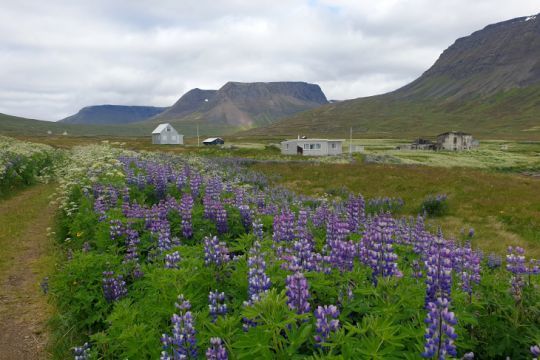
171,255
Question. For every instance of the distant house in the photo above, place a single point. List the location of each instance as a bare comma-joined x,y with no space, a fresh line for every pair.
456,141
312,147
166,134
423,144
213,141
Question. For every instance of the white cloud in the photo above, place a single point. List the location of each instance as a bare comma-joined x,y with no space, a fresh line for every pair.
57,56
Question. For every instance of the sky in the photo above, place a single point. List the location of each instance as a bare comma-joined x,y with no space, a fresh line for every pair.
57,56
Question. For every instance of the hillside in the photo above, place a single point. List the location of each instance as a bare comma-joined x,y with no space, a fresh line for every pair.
112,114
244,105
487,83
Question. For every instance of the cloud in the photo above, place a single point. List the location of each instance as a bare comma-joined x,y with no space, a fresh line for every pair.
58,56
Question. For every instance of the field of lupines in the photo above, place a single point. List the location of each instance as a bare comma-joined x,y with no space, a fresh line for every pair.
23,163
183,258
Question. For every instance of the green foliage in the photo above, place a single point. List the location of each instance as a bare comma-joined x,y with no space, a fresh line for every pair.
435,205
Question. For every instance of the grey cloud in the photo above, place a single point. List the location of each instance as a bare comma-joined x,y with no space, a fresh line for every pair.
58,56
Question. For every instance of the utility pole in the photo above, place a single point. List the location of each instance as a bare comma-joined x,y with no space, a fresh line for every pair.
198,142
350,143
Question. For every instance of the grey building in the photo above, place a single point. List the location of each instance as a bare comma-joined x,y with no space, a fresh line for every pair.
456,141
312,147
213,141
166,134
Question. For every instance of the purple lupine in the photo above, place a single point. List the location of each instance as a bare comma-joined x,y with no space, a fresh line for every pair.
81,352
195,183
298,293
438,271
341,252
215,252
164,242
284,227
355,212
182,343
468,266
440,332
132,243
494,261
326,323
257,228
86,247
382,259
186,206
137,272
216,304
245,214
172,260
535,350
515,264
116,229
114,287
221,218
216,351
320,215
258,281
417,270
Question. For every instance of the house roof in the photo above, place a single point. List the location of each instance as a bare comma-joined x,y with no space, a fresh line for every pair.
327,140
212,139
160,128
454,132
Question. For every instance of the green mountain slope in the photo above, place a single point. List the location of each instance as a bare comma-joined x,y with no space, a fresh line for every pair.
487,83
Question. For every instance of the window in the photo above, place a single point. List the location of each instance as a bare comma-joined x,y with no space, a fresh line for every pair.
168,129
455,140
333,145
287,146
306,146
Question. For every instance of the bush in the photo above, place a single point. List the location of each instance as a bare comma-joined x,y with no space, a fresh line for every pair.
435,205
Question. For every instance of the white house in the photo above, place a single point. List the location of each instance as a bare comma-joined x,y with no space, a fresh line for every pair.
312,147
166,134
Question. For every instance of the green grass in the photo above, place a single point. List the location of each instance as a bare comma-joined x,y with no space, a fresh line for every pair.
504,209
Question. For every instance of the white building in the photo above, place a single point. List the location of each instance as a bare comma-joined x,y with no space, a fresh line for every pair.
166,134
312,147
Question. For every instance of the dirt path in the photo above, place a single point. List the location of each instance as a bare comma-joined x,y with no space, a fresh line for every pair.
25,251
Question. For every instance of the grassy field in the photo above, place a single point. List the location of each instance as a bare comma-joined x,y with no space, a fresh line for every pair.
504,209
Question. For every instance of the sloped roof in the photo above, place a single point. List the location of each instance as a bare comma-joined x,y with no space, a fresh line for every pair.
160,128
211,139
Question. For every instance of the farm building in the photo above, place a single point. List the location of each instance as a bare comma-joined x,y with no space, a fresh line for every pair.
456,141
214,141
166,134
312,147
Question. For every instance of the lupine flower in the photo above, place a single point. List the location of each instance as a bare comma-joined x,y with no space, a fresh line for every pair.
245,213
137,272
215,252
114,287
186,206
494,261
438,271
132,243
468,265
221,217
258,229
298,293
116,229
284,227
258,281
440,333
86,247
382,259
417,270
81,352
216,304
515,263
172,260
326,322
182,343
535,350
341,253
216,351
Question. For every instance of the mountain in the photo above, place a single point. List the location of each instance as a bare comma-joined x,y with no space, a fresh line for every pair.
112,114
487,83
244,105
